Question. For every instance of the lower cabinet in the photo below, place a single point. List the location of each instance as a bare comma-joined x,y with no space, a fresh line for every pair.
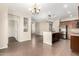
74,43
56,37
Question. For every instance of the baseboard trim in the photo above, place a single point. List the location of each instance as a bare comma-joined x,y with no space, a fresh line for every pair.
4,47
23,40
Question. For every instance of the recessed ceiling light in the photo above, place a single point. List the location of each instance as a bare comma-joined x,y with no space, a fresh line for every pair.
69,12
49,12
53,8
70,15
65,6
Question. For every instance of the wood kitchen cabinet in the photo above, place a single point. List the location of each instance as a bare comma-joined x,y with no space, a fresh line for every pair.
74,43
56,37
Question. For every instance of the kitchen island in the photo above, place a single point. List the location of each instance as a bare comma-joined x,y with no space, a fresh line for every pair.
51,37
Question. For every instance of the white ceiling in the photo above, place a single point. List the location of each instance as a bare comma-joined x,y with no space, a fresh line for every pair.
57,10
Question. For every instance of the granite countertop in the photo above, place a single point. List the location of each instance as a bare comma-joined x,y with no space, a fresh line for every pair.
75,34
55,32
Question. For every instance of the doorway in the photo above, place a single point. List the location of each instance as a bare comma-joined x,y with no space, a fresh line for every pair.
12,29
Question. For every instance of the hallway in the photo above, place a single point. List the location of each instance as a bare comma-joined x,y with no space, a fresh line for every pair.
37,48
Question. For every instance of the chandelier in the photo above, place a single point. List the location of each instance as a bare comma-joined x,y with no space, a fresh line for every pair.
49,16
35,9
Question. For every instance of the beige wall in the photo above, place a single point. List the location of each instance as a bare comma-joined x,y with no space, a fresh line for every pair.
40,27
44,27
3,26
